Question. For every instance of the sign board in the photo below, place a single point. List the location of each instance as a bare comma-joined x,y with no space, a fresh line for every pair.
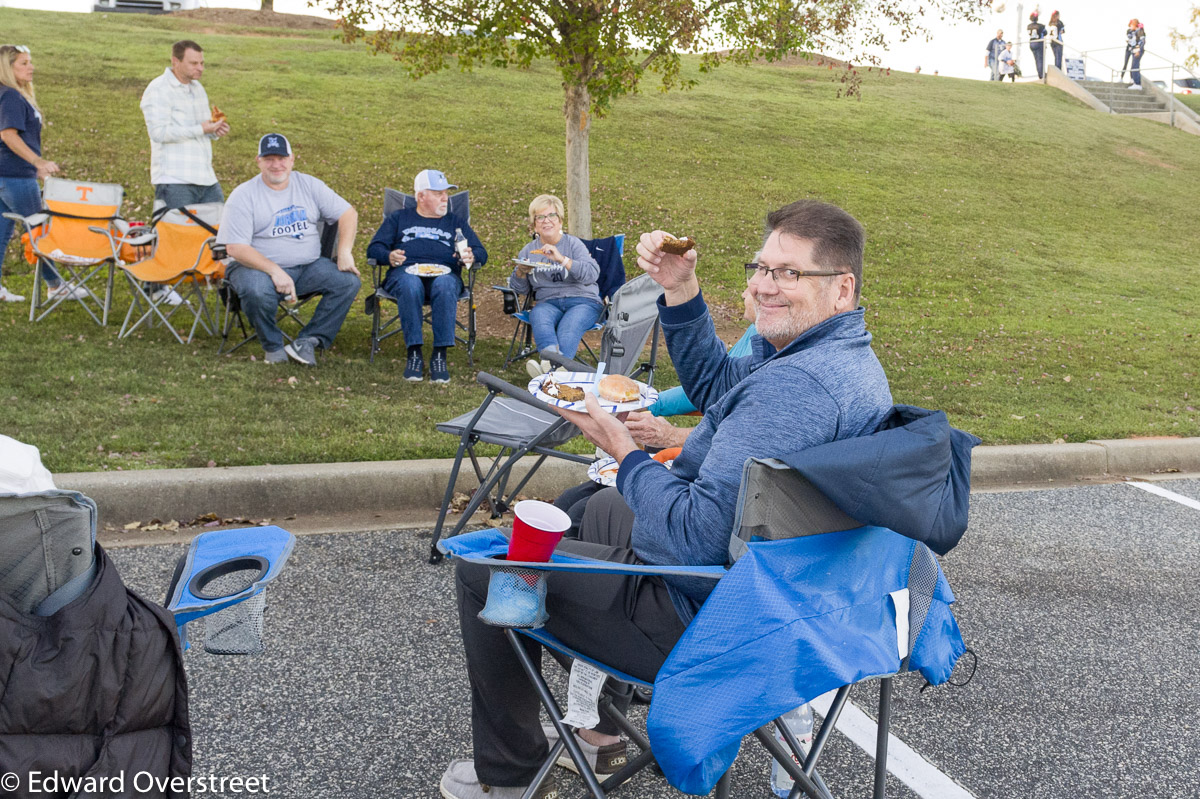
1075,69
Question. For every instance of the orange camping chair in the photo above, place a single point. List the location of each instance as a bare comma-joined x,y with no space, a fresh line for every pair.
74,234
182,258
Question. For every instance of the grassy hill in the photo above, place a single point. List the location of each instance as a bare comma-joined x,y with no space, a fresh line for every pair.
1031,264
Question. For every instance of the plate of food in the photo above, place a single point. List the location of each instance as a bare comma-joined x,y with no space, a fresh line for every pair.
536,264
604,471
616,393
427,270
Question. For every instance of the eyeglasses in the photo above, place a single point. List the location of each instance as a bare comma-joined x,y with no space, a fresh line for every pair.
544,217
786,278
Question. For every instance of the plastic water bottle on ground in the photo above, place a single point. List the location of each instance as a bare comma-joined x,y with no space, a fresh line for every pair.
800,723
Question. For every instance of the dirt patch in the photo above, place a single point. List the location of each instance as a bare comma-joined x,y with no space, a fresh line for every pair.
1145,158
249,18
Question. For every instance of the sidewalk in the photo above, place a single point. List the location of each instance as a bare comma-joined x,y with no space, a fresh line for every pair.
391,494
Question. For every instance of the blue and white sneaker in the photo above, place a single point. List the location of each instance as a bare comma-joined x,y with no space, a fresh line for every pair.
414,370
439,370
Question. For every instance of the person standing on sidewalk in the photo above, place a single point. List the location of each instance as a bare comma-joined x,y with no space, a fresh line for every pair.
1135,47
1056,30
182,130
1037,37
21,161
992,60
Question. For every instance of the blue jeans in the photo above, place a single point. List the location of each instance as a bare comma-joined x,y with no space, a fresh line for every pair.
412,293
1038,57
561,322
1135,69
177,195
260,301
20,196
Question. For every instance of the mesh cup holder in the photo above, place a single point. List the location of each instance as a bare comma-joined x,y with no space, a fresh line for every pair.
516,598
237,629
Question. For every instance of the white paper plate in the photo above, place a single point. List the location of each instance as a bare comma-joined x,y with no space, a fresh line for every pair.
427,270
541,266
647,395
604,471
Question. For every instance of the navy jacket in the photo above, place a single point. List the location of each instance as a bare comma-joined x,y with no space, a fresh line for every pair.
912,476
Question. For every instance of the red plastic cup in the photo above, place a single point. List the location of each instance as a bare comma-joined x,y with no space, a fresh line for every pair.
537,529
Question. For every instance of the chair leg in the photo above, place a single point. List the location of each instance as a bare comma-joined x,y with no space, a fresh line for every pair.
881,738
565,734
785,759
724,785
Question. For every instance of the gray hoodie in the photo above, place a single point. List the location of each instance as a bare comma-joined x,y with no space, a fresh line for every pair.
557,283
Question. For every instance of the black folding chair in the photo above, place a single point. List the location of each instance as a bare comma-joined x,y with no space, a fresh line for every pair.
383,329
607,252
287,314
520,424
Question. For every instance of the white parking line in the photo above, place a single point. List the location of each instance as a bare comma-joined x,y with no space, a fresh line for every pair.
904,763
1154,488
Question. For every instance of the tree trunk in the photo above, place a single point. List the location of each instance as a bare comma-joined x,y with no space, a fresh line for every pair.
577,110
268,5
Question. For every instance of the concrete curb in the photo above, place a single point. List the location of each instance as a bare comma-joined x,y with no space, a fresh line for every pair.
415,488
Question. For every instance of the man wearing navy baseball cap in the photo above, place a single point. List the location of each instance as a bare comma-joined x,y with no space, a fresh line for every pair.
417,243
271,230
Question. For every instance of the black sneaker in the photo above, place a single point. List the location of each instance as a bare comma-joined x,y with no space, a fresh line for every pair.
439,370
414,370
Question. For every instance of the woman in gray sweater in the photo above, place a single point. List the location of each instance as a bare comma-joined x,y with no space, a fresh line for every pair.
568,299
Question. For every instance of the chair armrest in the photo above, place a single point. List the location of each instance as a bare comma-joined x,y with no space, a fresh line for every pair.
493,383
138,241
506,290
570,364
122,225
31,221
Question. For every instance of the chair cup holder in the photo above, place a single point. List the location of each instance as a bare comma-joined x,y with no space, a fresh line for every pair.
516,598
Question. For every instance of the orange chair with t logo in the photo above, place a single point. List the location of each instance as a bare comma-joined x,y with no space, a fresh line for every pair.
182,258
75,234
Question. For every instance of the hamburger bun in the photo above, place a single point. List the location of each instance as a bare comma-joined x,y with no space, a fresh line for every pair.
218,115
619,388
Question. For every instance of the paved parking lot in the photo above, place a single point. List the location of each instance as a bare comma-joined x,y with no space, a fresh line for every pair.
1081,604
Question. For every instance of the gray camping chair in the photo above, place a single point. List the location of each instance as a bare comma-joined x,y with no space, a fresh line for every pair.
47,544
513,419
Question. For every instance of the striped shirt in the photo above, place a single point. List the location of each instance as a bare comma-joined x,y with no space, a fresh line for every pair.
180,150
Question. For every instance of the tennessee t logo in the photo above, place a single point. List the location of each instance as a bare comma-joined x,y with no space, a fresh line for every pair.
84,191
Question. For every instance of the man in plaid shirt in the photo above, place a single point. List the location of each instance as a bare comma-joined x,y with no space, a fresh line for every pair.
181,128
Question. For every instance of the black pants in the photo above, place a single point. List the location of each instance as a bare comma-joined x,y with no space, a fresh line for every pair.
627,622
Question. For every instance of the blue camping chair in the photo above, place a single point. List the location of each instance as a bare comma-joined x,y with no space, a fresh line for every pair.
381,328
871,603
225,575
608,253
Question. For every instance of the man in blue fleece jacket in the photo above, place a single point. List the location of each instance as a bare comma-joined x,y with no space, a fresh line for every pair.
811,379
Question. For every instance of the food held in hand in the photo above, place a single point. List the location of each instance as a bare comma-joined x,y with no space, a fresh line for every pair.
675,246
218,115
537,252
562,391
619,388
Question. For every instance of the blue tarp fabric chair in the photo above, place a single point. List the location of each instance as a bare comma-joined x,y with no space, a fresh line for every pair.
384,328
520,424
608,253
814,601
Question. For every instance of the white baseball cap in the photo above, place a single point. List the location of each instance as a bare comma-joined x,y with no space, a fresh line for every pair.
432,180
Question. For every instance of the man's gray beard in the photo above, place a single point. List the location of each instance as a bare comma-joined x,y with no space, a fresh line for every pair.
791,327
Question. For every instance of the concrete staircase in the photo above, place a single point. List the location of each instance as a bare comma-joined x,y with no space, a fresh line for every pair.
1123,100
1150,102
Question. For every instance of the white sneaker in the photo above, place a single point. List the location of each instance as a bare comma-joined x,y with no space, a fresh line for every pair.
167,294
1135,86
534,369
8,296
66,290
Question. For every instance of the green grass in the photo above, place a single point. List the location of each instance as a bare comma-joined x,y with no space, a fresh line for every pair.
1031,264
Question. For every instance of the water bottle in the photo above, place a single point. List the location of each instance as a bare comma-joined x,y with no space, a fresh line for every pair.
800,723
460,244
